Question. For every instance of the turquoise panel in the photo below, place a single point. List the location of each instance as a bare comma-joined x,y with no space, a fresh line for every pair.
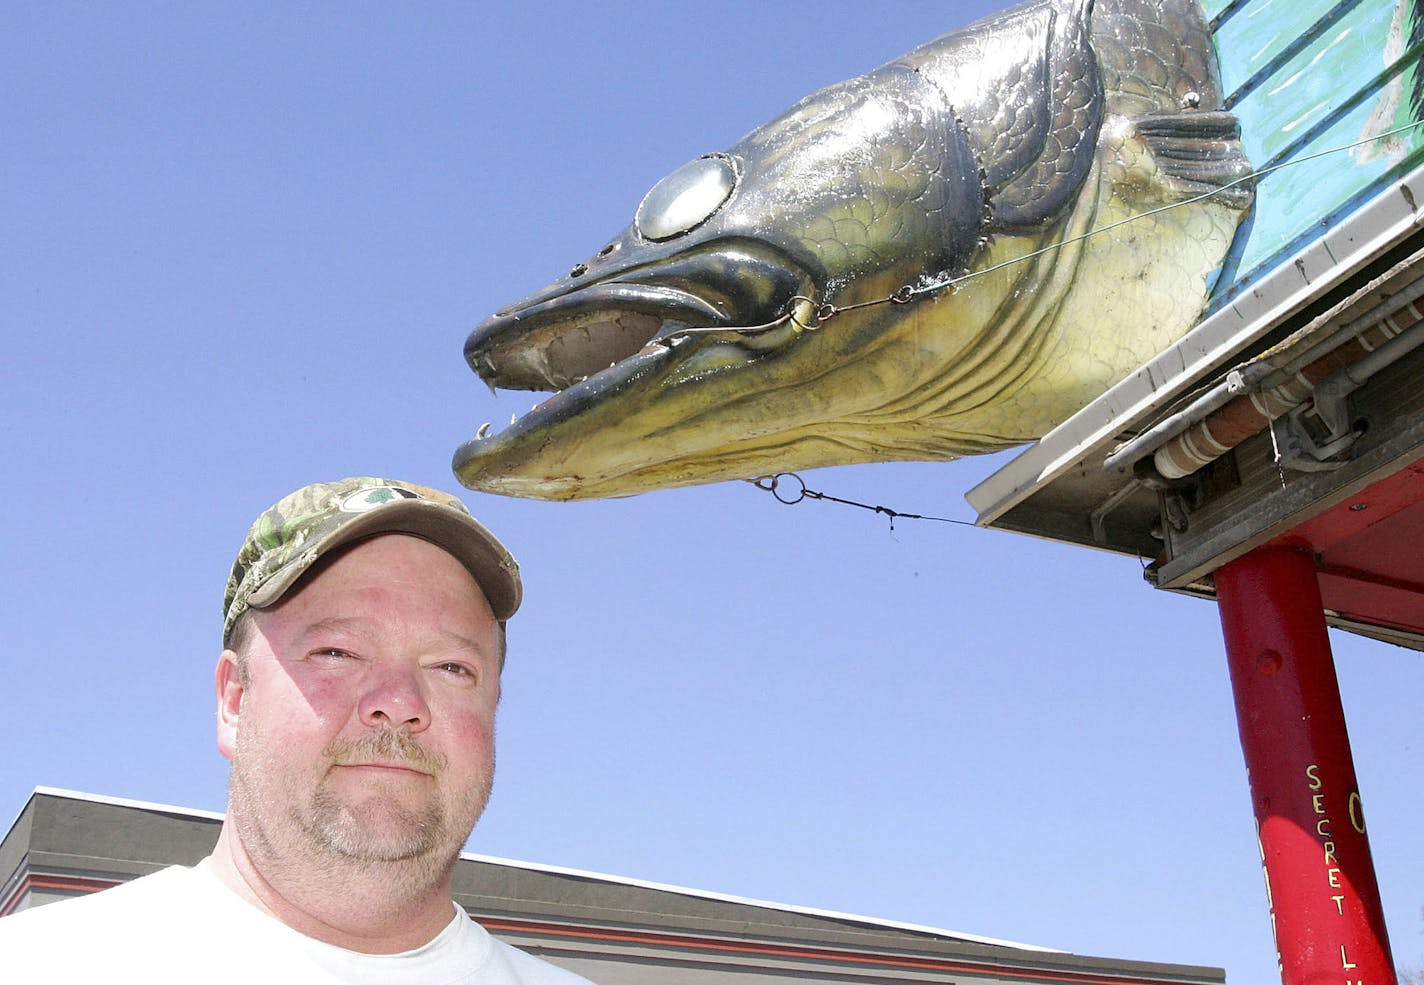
1309,80
1256,33
1301,91
1303,198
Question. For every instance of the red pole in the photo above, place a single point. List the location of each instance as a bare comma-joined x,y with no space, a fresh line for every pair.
1320,880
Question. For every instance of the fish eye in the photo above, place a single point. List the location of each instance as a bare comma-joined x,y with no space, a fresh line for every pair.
686,198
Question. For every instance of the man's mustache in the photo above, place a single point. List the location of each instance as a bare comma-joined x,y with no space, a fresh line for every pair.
387,745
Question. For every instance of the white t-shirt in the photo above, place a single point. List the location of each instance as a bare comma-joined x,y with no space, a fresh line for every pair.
184,925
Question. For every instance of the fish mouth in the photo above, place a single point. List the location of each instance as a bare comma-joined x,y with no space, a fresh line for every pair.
554,344
624,342
593,319
574,331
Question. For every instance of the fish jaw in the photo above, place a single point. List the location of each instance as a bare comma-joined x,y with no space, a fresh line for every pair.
628,357
577,328
625,429
561,342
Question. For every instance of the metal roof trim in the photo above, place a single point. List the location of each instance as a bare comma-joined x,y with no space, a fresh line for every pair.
150,806
810,911
1364,235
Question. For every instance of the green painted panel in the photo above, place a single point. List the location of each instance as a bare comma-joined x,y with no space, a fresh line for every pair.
1308,79
1302,199
1301,91
1256,33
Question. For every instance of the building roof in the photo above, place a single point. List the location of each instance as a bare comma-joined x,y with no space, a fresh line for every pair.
609,928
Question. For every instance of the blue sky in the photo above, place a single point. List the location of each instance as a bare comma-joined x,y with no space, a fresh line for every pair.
243,246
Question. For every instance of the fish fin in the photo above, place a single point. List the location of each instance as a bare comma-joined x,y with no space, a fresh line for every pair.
1198,153
1071,106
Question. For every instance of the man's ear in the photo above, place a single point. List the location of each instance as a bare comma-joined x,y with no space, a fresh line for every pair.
229,689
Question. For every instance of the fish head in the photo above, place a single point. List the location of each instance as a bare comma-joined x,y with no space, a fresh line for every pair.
676,353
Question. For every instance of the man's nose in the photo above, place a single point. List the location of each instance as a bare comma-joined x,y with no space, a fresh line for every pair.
394,697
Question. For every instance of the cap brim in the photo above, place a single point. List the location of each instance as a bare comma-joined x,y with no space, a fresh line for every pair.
462,536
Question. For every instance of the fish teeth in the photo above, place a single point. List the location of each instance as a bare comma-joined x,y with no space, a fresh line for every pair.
483,431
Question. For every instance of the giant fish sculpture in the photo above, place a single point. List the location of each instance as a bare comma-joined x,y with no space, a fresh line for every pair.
920,263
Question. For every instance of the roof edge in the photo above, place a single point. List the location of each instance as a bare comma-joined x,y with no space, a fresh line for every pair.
194,812
810,911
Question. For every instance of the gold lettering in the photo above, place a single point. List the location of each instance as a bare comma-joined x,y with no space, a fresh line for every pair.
1344,961
1322,827
1319,801
1339,904
1313,775
1334,878
1357,812
1330,858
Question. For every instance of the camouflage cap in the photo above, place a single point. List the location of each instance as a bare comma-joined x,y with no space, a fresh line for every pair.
288,538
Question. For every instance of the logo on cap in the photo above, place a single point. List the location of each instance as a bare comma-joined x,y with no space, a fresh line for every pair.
370,498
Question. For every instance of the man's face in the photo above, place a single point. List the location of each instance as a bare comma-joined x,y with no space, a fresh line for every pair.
364,730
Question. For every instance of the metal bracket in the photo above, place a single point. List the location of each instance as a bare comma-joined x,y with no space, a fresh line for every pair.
1176,511
1296,445
1099,516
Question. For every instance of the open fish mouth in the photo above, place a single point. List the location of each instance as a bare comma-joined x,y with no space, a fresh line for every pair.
586,347
555,344
579,328
641,340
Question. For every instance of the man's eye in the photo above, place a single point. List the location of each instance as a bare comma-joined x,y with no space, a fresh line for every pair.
459,670
332,653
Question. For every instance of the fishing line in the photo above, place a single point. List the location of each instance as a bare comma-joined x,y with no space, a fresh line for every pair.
772,484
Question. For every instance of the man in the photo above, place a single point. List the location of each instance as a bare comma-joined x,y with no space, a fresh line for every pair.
363,638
